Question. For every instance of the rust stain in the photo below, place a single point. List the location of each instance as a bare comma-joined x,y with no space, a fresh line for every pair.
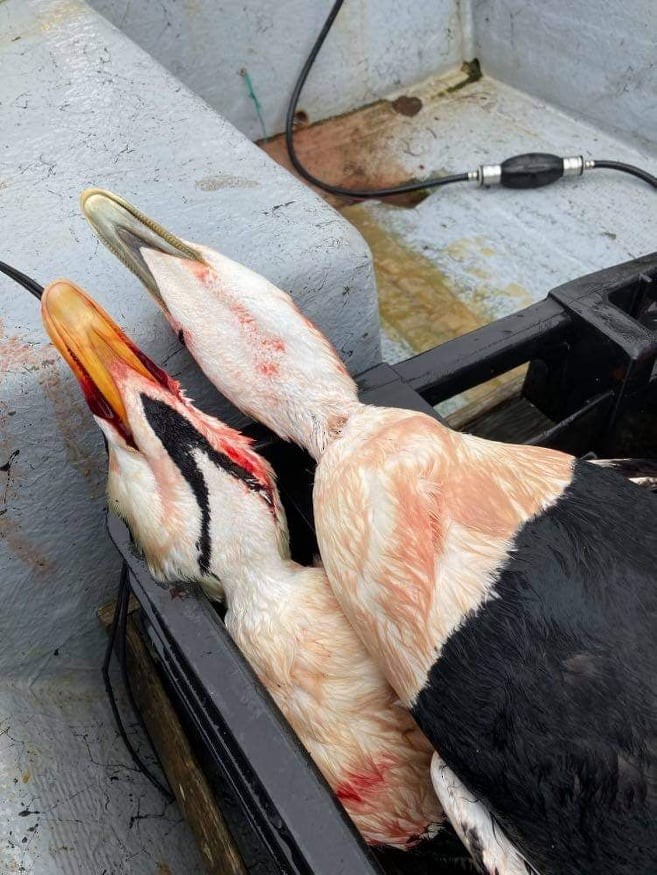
361,149
25,777
16,354
72,419
19,545
408,106
357,150
163,869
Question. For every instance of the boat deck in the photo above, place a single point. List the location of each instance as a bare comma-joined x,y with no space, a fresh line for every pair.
71,799
465,256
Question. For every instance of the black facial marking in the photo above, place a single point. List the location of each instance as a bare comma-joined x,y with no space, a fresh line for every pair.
544,701
179,438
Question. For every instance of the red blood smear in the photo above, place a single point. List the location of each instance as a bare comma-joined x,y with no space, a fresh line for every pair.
160,376
250,462
99,407
97,402
268,369
201,271
245,318
274,344
357,786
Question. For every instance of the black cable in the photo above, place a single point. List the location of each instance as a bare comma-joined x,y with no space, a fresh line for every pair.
123,663
432,182
119,622
22,279
626,168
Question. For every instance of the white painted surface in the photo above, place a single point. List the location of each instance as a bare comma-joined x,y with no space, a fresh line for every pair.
376,46
595,58
71,801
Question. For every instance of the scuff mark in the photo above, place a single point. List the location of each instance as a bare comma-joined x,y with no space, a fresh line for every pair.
6,469
213,183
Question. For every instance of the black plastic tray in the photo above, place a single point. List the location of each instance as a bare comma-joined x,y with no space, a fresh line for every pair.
592,348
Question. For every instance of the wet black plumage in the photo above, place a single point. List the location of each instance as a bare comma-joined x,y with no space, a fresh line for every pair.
544,701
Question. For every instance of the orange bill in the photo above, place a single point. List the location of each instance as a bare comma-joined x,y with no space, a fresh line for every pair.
97,351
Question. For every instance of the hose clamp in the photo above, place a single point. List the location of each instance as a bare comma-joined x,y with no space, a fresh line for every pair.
489,174
573,166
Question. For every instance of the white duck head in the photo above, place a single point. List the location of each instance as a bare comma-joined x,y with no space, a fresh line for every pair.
199,501
247,335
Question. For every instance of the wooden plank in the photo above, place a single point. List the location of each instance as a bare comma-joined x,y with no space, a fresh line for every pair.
189,785
491,397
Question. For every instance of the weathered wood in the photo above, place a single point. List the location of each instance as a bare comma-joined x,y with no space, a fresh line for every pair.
488,402
191,789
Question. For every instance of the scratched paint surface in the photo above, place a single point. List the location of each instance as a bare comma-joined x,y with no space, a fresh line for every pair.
70,798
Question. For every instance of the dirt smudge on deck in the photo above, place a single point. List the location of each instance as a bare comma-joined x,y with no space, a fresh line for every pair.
420,303
415,297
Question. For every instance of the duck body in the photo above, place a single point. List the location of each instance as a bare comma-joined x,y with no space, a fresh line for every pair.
203,507
507,592
509,595
289,626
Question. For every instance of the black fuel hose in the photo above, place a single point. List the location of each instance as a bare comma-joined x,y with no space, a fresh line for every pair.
532,170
